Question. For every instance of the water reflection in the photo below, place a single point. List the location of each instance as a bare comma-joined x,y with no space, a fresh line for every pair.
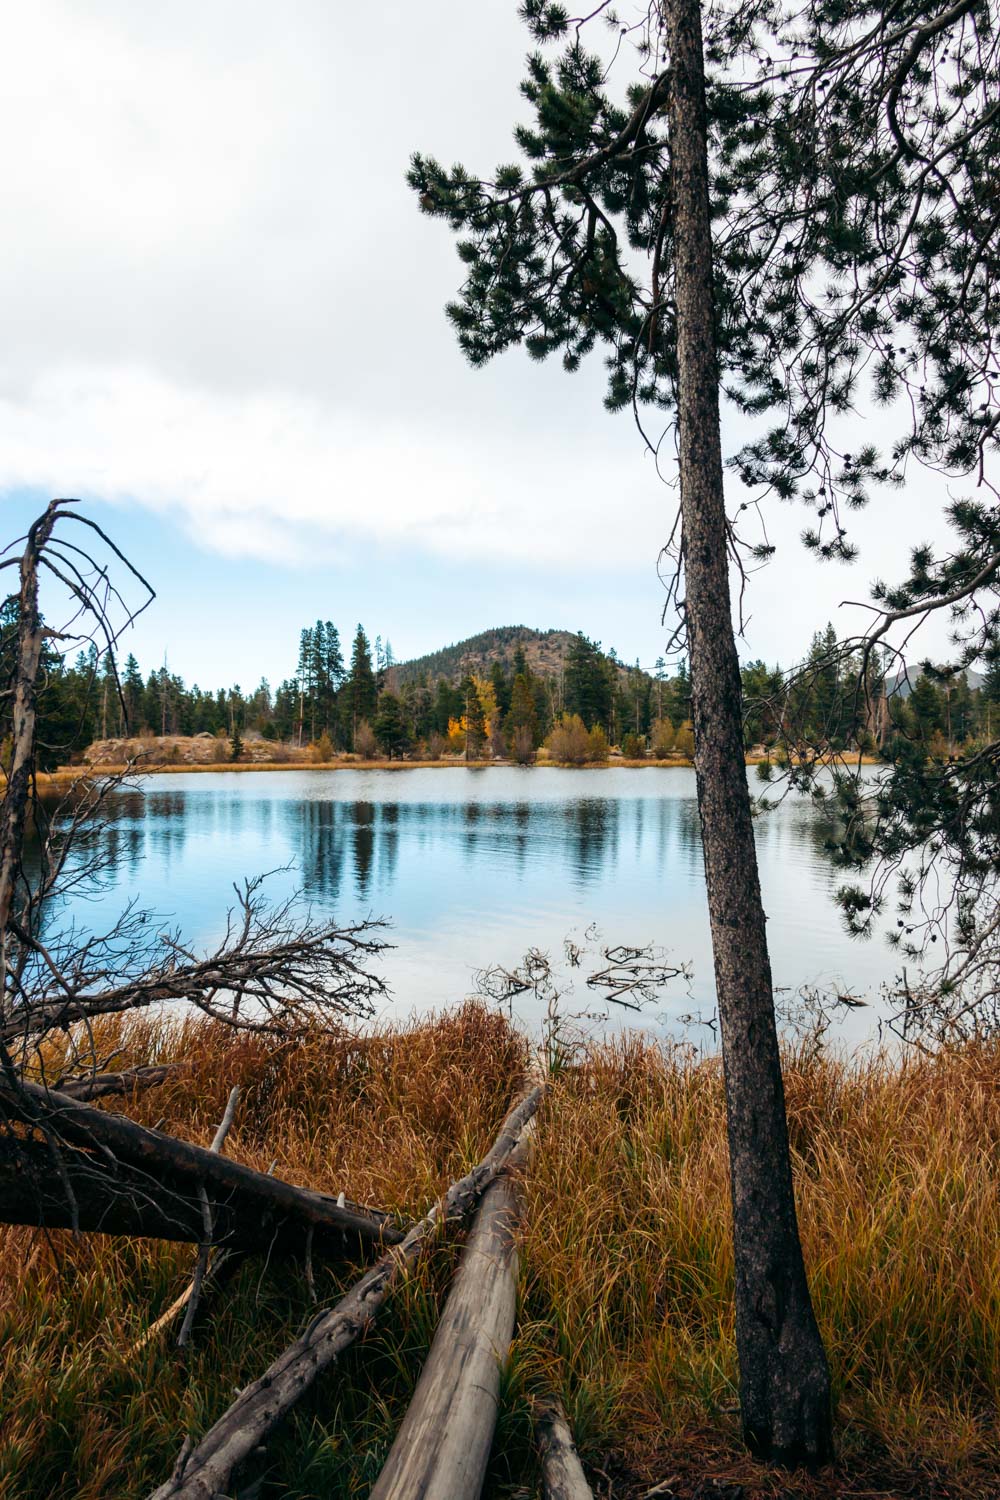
474,868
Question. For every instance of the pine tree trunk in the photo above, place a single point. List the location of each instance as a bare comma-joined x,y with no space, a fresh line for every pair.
784,1378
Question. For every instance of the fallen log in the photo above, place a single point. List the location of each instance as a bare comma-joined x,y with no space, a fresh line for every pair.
562,1473
90,1086
203,1471
443,1444
182,1167
107,1197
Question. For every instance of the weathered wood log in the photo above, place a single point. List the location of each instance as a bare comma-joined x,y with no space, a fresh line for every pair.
444,1441
204,1470
182,1167
562,1473
115,1198
90,1086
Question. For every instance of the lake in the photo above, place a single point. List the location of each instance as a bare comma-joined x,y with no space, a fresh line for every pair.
474,866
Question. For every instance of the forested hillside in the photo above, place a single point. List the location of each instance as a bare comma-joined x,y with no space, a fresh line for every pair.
505,692
545,652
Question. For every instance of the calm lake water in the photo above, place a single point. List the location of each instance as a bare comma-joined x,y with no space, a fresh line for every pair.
475,866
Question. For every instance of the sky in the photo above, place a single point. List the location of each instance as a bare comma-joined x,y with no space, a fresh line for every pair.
223,328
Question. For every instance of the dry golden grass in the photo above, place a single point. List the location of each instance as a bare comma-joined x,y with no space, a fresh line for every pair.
629,1265
626,1268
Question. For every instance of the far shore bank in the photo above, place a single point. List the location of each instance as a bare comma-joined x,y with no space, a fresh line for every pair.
66,775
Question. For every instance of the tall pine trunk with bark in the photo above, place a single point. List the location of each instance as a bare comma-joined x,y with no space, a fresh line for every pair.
784,1377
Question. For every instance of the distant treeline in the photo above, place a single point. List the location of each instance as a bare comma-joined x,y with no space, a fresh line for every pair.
360,703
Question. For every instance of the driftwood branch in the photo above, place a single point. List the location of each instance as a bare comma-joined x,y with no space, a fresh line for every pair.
443,1444
223,1260
206,1468
158,1177
562,1473
274,972
113,1198
91,1086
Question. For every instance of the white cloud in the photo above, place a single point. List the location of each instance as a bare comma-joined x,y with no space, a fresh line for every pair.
277,475
220,302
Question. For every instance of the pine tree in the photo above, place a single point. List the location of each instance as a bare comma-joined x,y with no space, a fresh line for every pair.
132,692
304,677
587,682
360,692
501,688
545,266
522,715
391,729
475,720
680,693
926,708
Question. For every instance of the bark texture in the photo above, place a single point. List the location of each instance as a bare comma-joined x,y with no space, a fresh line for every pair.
112,1198
161,1174
91,1086
562,1472
444,1441
203,1470
13,810
784,1378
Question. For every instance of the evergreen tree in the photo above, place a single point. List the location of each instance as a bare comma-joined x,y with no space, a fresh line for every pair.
475,720
501,688
680,694
763,691
422,708
380,667
660,673
286,709
391,728
448,705
132,693
522,714
990,689
360,692
925,707
587,682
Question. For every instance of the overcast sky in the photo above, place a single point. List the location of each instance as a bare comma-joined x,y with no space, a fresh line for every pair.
222,324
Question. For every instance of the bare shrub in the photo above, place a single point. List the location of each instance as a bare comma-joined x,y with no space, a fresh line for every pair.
365,742
597,746
321,750
569,741
662,738
521,746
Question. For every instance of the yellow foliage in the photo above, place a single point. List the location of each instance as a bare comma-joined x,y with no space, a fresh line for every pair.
487,694
684,739
456,733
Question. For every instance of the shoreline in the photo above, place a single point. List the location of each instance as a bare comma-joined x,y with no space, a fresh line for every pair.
63,775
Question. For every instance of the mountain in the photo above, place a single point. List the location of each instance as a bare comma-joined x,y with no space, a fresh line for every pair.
544,650
903,683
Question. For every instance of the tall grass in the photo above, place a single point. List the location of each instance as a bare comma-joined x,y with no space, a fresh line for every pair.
626,1267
